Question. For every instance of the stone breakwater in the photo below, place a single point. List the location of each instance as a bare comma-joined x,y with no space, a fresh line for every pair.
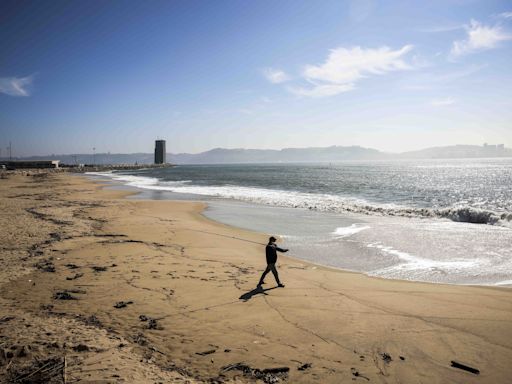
75,169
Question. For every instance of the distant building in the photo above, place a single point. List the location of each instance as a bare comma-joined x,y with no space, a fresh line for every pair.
160,152
17,164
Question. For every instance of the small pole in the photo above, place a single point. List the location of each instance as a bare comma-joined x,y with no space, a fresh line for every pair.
64,370
94,155
10,150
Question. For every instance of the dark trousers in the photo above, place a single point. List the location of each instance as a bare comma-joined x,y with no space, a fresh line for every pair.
270,267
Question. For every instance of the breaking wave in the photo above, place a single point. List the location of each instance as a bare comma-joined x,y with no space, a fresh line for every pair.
312,201
350,230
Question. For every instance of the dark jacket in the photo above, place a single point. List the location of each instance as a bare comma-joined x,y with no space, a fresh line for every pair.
271,253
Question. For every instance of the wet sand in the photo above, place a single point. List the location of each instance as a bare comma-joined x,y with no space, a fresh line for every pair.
161,294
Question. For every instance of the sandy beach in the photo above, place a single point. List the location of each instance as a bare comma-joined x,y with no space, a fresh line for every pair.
140,291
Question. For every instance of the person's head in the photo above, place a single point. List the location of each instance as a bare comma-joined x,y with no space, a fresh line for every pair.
271,239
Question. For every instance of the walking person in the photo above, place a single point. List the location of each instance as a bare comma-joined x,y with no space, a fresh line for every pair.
271,255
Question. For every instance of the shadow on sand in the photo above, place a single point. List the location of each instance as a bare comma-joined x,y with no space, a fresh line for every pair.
248,295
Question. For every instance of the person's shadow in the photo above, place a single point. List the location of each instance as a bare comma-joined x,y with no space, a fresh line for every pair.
248,295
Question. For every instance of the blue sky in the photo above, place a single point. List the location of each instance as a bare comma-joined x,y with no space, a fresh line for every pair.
115,75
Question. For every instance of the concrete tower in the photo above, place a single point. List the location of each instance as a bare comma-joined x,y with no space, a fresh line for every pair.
160,152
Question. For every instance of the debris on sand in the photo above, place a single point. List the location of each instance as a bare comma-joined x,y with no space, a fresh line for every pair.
74,277
356,373
63,295
305,366
72,266
267,375
152,324
93,320
140,339
56,236
45,266
465,367
386,357
97,268
50,370
80,348
81,291
122,304
204,353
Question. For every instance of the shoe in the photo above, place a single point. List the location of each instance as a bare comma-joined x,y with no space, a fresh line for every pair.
280,285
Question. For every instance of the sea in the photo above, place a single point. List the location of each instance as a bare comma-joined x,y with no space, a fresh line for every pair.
438,221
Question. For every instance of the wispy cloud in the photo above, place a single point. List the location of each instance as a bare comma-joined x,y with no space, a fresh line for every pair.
344,67
275,76
321,90
445,102
479,37
505,15
428,81
441,28
16,86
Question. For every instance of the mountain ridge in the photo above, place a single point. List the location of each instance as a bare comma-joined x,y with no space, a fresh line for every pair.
332,153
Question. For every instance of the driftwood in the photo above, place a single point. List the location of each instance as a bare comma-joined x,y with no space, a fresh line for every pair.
64,296
206,352
51,370
122,304
465,367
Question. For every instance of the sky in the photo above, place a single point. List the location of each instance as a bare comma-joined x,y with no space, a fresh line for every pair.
116,75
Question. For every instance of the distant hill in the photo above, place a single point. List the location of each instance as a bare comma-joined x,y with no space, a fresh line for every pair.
287,155
458,151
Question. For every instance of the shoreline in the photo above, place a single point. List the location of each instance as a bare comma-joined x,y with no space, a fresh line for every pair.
199,289
138,191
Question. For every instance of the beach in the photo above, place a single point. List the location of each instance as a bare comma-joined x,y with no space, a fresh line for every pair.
144,291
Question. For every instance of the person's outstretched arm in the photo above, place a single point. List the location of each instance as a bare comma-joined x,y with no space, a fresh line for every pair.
281,249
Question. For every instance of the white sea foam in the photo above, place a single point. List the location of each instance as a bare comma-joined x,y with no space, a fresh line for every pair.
138,181
413,267
504,282
312,201
350,230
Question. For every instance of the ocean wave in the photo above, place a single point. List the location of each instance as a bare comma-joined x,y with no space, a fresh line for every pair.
317,202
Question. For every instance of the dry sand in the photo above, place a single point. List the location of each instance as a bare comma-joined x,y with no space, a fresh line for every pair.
65,235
